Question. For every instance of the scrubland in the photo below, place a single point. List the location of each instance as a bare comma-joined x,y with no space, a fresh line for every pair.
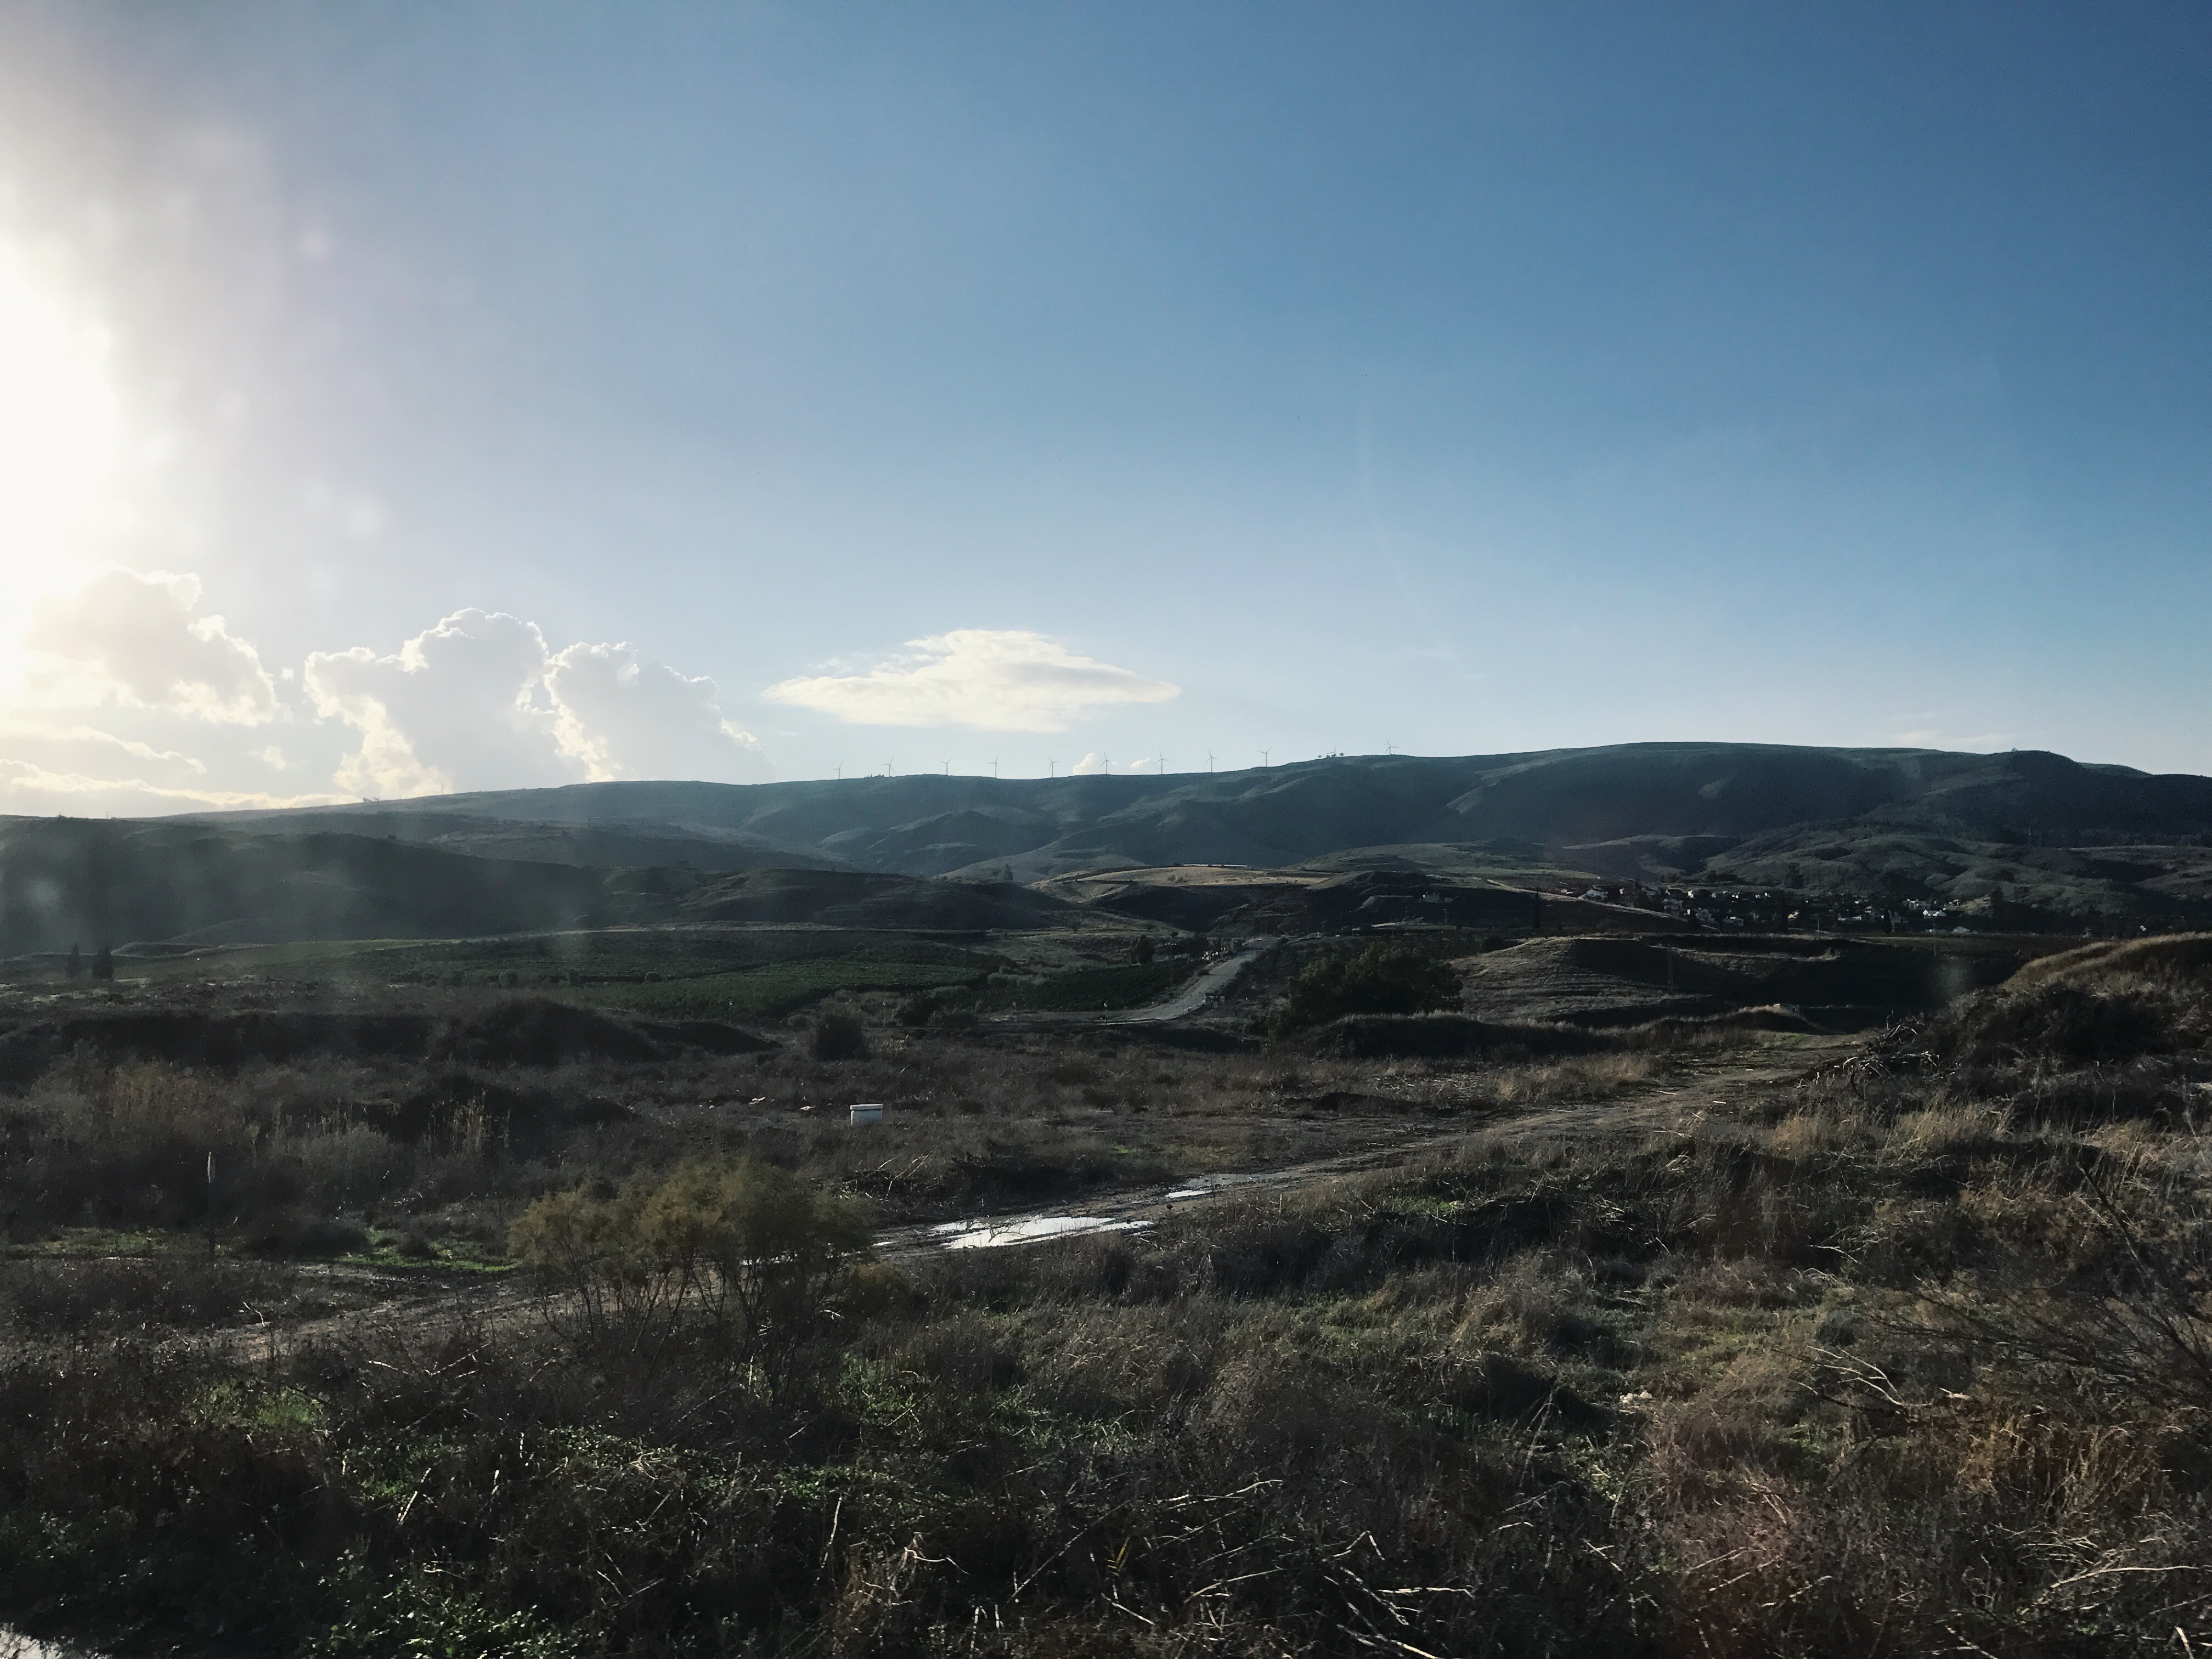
1697,1341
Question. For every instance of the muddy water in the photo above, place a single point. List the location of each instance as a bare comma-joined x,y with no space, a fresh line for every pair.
13,1646
1025,1229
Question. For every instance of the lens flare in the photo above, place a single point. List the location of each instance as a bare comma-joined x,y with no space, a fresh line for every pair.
61,429
61,444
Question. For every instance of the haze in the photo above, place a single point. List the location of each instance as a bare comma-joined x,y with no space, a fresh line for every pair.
401,399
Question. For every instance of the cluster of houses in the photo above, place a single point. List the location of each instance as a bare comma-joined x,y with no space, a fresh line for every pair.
1775,910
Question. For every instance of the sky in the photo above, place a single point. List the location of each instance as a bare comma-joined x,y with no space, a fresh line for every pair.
407,398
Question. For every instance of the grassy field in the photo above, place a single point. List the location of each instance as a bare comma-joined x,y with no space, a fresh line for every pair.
773,991
1691,1341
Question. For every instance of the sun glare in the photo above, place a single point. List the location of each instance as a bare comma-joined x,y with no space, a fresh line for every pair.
61,432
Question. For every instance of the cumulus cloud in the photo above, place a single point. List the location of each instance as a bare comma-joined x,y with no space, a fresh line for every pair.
992,679
479,702
132,639
454,707
621,718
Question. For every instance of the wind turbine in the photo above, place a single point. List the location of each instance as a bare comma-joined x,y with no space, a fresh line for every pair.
1263,758
994,766
1049,763
1209,759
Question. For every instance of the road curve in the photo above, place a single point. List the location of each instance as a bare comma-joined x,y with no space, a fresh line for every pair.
1195,995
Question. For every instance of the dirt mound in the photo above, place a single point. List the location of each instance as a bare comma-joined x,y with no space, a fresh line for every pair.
2170,956
1774,1017
2063,1026
1838,984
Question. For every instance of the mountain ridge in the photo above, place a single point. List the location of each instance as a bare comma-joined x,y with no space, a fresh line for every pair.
932,825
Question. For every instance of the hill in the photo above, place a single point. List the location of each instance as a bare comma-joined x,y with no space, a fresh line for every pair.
1896,821
1670,805
2025,841
98,882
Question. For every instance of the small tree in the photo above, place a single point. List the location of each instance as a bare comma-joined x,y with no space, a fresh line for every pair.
103,965
1145,951
73,967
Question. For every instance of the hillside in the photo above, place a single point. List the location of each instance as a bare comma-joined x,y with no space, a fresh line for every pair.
2024,841
1648,811
98,882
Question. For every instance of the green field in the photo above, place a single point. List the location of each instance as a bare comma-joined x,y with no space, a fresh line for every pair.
772,991
1129,985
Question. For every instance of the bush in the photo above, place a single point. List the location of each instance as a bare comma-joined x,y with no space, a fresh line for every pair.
838,1035
748,1248
1381,980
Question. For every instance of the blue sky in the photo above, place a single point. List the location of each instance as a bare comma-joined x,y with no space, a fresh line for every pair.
544,392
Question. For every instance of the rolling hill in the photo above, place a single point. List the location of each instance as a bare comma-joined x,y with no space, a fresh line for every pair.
1636,808
2036,840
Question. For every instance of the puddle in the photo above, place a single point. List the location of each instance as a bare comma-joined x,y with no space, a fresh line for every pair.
1024,1230
1211,1185
13,1646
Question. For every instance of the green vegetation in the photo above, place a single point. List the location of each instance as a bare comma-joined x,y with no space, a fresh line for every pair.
771,992
1381,980
732,1246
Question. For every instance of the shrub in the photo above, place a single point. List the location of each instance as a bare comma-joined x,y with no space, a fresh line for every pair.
1381,980
747,1248
838,1035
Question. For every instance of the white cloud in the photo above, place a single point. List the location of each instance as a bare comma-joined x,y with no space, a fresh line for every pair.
479,702
132,639
994,680
623,719
1096,765
36,791
455,707
76,747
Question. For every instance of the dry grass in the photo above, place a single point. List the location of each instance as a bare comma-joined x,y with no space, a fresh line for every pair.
1902,1360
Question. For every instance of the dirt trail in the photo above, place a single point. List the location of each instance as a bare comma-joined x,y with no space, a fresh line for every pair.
1677,1102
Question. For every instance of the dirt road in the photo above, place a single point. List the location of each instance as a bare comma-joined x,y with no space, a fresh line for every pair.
1680,1102
1195,995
